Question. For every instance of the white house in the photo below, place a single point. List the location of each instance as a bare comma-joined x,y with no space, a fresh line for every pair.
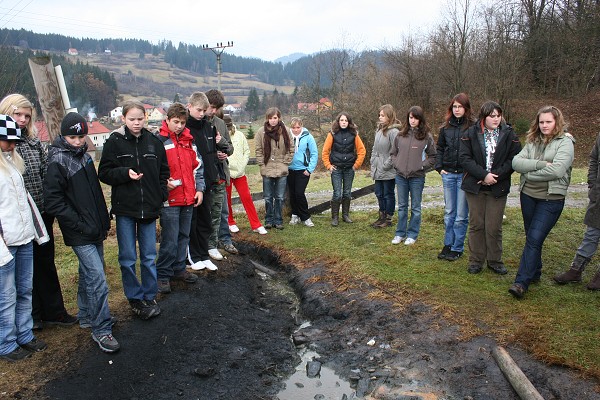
116,113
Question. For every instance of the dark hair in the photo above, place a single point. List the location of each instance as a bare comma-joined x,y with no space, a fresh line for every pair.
335,127
486,110
177,110
422,130
463,100
215,98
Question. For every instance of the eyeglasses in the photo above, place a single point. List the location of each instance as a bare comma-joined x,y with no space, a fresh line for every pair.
457,106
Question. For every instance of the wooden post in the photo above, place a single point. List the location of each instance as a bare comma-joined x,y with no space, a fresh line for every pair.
515,376
46,86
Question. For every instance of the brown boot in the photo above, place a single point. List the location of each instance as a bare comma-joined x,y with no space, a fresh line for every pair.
346,210
573,275
595,282
386,221
335,212
380,220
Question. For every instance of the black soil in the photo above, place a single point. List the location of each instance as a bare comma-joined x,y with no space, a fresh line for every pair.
230,337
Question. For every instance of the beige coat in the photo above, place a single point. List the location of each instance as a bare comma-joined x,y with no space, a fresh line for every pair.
277,165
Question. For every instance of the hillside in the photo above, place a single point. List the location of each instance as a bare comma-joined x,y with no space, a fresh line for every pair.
153,80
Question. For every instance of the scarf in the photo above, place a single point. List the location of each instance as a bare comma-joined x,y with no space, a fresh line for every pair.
274,133
490,139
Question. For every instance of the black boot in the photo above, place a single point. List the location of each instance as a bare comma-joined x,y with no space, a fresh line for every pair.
346,210
595,282
335,212
574,273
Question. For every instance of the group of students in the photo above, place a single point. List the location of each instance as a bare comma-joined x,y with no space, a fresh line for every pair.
183,175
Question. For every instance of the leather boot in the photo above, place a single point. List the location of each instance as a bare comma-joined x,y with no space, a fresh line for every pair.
595,282
335,212
388,220
346,210
380,220
574,273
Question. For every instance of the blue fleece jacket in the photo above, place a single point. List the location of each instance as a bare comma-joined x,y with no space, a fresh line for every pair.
306,141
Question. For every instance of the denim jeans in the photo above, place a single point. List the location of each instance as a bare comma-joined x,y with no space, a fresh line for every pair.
341,179
16,285
175,224
384,191
92,293
224,234
590,241
129,230
217,197
539,217
456,212
414,187
273,193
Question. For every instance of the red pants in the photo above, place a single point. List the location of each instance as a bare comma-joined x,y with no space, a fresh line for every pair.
241,185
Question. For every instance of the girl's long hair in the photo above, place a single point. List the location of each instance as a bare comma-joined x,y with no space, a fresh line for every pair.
335,127
17,161
14,101
463,100
274,132
390,114
534,135
422,130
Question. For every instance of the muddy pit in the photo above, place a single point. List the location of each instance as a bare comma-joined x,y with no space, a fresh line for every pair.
241,333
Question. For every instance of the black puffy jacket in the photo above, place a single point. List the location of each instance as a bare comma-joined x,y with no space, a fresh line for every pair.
448,146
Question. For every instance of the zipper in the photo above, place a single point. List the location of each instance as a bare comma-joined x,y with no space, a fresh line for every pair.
137,156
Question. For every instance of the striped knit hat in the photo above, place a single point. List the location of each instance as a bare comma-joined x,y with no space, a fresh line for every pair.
9,129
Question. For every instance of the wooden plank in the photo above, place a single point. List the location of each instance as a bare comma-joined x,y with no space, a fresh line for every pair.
514,375
46,86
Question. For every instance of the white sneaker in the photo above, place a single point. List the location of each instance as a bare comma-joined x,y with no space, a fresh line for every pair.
397,239
215,254
409,241
308,222
209,265
198,266
234,229
294,219
260,230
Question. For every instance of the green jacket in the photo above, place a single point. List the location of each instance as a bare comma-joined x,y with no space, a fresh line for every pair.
532,163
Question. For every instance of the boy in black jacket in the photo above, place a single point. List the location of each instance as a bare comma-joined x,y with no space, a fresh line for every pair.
72,193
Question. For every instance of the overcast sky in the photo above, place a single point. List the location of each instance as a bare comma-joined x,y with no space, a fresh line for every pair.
258,28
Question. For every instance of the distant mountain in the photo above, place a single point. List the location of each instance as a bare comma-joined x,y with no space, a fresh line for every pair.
290,58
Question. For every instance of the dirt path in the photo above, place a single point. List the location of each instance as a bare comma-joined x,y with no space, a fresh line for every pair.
229,337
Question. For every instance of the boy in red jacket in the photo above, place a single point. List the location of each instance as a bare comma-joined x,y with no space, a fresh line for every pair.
186,187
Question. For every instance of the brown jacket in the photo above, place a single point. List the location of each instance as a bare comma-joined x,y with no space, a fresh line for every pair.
277,166
413,158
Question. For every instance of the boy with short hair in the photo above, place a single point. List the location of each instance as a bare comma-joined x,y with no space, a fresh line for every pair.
186,186
73,194
219,209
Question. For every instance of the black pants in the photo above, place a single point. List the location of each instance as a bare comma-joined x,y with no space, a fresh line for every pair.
200,230
47,301
297,182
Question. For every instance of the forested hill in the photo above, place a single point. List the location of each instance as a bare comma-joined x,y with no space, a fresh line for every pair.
185,56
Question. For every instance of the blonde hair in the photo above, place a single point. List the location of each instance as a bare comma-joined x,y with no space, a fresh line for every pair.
15,159
296,121
133,104
14,101
534,134
199,99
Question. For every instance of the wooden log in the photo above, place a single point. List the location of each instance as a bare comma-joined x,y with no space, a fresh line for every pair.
514,375
46,86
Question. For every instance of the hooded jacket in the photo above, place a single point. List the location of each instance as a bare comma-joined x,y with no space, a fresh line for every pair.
185,164
448,146
413,158
306,155
141,199
381,161
73,194
241,155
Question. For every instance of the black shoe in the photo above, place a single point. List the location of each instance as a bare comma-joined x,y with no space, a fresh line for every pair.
154,305
517,290
498,268
35,345
453,255
268,226
37,325
475,268
445,251
185,276
279,226
17,354
141,309
65,319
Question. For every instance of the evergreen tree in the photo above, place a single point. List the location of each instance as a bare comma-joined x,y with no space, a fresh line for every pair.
253,103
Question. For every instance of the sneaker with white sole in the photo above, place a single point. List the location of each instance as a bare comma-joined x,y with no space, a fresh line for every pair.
234,229
107,343
308,222
215,254
397,239
295,220
209,265
409,241
198,266
261,230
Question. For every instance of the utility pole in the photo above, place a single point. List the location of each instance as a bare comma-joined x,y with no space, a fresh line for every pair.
218,50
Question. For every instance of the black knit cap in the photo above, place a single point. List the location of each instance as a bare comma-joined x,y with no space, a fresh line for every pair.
73,124
9,130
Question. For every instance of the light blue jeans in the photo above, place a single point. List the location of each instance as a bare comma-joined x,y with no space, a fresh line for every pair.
175,224
92,293
456,212
273,193
16,286
129,230
414,187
